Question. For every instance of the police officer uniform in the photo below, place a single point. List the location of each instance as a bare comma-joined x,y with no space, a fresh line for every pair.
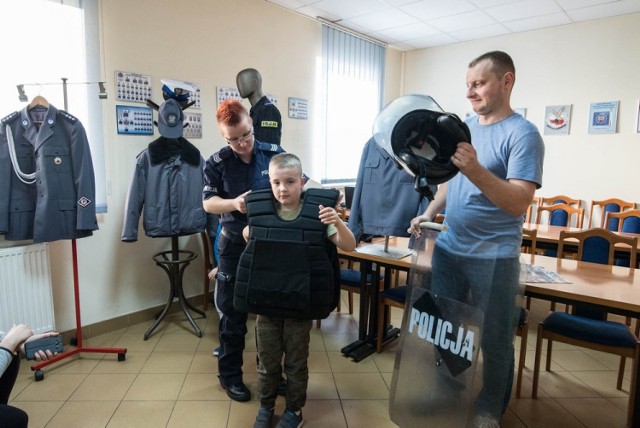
267,121
58,200
227,176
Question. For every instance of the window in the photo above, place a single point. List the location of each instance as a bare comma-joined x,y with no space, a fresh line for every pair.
353,76
45,41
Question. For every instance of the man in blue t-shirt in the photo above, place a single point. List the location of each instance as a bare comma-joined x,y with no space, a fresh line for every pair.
476,259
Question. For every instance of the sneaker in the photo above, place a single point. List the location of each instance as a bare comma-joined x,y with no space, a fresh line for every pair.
264,418
216,352
290,419
485,420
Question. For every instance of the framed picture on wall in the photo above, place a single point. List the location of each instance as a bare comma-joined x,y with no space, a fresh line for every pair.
557,119
603,117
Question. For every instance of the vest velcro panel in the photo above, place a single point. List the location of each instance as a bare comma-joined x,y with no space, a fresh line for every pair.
289,269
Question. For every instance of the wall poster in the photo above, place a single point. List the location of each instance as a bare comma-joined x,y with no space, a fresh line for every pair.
134,120
603,117
557,119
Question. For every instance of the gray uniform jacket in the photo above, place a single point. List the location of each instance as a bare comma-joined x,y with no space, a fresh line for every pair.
167,185
61,202
384,200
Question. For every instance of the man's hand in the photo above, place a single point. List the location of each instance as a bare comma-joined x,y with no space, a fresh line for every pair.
466,159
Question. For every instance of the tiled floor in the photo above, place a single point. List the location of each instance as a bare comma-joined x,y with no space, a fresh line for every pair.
170,381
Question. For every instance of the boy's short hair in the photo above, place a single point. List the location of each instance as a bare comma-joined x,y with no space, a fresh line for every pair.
231,112
286,160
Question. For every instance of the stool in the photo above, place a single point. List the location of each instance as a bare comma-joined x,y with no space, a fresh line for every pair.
174,262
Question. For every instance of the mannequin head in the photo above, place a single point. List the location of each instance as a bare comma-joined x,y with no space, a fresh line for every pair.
249,84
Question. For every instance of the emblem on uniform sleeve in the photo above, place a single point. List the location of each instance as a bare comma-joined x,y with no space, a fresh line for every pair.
269,124
57,160
84,201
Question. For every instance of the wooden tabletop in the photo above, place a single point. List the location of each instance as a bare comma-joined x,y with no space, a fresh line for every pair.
614,287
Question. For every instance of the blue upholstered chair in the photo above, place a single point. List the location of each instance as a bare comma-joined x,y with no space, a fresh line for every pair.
586,327
561,214
613,205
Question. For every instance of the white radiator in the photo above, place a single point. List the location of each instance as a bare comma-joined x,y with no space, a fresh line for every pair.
25,288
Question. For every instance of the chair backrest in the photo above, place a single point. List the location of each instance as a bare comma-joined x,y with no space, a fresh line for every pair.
628,221
609,205
531,235
559,199
528,217
597,245
348,196
560,215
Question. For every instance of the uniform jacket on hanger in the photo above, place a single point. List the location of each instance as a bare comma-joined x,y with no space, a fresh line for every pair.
60,204
384,200
167,184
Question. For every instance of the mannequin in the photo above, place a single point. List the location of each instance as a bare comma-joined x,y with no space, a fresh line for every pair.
267,121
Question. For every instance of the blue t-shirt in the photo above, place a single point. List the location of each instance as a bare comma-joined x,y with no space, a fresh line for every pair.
510,149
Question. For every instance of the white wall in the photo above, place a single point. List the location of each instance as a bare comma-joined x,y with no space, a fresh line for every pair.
202,41
575,64
209,41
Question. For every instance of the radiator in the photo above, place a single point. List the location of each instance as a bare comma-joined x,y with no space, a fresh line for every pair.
25,288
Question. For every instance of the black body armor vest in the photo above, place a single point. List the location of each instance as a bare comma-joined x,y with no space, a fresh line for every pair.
289,269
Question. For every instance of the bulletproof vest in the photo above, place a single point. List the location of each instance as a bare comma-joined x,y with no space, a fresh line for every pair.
289,269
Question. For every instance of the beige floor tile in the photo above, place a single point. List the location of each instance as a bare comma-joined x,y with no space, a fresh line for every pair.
141,414
103,387
204,362
250,362
361,386
250,342
564,384
134,342
173,342
595,412
387,377
341,364
322,414
603,382
180,324
385,360
210,414
54,387
208,342
574,360
132,363
511,420
318,362
141,329
76,364
103,340
543,413
339,323
322,386
155,387
334,342
202,387
168,362
83,414
40,412
367,413
317,341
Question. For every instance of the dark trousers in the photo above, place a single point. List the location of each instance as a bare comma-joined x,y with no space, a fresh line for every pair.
233,324
10,417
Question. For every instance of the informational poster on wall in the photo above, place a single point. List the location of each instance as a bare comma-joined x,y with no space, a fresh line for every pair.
179,86
134,120
298,108
194,125
557,119
132,87
224,93
603,117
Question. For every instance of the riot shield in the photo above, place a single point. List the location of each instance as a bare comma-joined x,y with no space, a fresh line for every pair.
439,377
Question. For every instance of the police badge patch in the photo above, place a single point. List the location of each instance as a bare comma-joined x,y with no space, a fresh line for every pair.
84,201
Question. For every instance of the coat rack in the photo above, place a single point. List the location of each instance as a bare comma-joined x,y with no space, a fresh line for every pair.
39,374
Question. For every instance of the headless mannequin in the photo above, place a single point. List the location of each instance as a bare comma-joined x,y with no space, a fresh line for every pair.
267,122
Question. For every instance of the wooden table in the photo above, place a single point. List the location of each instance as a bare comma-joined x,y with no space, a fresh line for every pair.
377,265
614,289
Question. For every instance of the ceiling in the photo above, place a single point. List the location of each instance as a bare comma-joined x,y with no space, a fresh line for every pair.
415,24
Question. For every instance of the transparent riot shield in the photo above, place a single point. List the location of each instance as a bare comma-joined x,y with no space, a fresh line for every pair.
439,377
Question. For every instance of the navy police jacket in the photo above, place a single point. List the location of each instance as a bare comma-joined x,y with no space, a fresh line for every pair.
60,203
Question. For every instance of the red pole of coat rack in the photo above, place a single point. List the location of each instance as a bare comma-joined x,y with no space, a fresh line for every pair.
39,374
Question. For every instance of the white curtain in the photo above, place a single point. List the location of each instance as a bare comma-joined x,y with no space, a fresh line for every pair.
353,72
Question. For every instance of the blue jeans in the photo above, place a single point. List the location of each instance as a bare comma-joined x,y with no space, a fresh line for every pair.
491,285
